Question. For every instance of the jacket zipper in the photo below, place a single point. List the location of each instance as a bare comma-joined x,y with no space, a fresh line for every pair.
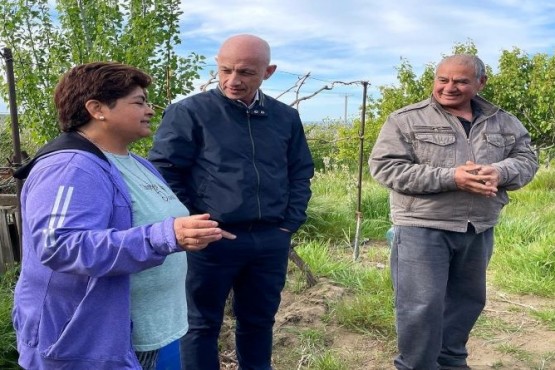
254,165
473,158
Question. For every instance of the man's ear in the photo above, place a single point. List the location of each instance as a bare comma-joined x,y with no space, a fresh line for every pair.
483,81
269,71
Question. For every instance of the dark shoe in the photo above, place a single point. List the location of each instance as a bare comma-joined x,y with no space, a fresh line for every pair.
462,367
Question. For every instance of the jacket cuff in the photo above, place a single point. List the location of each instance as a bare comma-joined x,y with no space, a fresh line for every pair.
162,237
291,226
450,183
502,175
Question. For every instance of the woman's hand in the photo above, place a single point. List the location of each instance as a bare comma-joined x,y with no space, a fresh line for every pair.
194,233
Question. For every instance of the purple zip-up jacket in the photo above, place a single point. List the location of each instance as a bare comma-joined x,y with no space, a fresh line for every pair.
72,301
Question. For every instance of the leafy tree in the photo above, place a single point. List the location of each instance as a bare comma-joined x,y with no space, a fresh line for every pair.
322,140
524,87
46,42
348,140
411,88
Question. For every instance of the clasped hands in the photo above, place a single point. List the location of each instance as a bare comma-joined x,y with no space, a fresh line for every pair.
477,178
195,232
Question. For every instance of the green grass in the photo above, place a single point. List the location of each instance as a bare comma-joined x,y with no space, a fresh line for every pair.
533,362
8,353
328,361
359,311
488,326
524,257
332,208
546,316
515,352
314,353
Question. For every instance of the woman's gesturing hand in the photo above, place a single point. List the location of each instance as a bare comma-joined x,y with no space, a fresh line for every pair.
194,233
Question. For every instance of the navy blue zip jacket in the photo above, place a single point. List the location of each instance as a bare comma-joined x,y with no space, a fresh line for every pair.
239,164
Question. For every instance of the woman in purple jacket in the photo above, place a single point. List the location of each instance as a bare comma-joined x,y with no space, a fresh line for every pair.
93,215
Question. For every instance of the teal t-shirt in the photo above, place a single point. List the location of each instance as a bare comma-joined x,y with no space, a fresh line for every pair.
158,302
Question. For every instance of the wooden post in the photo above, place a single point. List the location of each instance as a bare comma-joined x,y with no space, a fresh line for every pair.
8,57
6,242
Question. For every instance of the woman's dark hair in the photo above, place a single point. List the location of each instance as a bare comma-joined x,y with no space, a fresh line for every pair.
102,81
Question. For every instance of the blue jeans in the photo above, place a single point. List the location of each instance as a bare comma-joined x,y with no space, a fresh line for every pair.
255,266
439,279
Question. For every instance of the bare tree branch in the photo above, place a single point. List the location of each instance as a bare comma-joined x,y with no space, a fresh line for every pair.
326,87
300,84
301,80
212,80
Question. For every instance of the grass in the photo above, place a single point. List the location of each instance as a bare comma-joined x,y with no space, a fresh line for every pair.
314,352
332,208
8,353
532,361
487,326
516,352
524,257
546,316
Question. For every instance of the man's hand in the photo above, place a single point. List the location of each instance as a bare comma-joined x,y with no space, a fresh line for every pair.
478,179
194,233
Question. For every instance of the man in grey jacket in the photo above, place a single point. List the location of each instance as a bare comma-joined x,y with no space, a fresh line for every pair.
449,162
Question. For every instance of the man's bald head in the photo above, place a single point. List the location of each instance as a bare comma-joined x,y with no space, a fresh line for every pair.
243,64
249,46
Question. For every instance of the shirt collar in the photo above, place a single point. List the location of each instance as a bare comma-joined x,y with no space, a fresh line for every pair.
255,100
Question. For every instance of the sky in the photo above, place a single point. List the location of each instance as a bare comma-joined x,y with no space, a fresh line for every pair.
361,40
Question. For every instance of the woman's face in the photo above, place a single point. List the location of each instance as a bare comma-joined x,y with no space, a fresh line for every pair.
129,118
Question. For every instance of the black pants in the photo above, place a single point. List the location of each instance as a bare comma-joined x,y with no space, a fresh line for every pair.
255,266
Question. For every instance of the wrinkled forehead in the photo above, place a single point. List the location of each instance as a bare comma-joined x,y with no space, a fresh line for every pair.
241,62
455,69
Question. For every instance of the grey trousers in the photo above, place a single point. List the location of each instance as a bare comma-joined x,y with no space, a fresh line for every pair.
439,280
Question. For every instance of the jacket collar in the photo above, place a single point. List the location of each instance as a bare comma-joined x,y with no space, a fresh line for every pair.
479,106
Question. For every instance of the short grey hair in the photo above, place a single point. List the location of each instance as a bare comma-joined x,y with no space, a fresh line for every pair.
466,59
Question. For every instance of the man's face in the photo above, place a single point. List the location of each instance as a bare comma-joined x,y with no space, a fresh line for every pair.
455,85
240,76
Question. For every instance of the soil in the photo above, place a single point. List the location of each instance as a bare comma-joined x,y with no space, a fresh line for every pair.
507,336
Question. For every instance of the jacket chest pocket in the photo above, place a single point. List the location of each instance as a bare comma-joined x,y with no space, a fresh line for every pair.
435,149
121,212
498,146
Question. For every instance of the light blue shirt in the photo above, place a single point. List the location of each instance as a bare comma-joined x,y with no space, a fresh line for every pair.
158,301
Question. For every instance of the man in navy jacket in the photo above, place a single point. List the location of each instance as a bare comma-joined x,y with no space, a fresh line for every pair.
242,156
